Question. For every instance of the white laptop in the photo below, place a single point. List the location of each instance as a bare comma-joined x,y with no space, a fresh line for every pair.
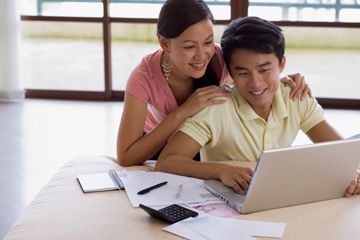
295,175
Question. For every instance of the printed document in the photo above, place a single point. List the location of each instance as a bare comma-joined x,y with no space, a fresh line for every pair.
192,189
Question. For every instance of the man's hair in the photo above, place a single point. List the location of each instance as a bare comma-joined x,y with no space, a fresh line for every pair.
177,15
255,34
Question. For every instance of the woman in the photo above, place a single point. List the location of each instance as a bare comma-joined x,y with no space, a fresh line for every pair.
175,82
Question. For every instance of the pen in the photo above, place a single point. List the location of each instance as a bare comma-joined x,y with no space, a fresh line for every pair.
146,190
179,191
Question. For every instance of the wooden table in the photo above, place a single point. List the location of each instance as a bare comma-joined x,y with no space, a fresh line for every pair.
62,211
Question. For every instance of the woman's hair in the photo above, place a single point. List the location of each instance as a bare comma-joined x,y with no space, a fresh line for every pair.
175,17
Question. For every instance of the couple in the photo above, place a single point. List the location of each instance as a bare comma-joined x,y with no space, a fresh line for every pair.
257,114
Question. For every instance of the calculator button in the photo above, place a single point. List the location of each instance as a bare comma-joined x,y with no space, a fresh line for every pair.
175,213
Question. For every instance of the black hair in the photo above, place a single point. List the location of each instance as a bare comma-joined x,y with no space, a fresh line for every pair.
255,34
175,17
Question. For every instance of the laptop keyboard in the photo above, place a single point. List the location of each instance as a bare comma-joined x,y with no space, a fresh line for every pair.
227,194
235,197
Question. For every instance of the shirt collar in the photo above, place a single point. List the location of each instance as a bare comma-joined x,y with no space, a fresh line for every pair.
278,108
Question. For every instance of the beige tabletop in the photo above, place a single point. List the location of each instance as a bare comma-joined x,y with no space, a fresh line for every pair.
62,211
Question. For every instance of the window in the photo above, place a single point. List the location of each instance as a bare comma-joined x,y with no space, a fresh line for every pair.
96,42
62,56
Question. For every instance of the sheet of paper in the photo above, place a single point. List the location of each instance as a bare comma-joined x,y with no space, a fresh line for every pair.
210,228
183,231
192,189
214,227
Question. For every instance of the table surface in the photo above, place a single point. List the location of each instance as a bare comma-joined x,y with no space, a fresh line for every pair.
62,211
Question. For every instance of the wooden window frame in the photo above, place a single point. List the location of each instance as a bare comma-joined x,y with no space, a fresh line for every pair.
239,8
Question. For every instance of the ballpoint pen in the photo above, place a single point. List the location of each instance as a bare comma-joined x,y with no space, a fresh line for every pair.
146,190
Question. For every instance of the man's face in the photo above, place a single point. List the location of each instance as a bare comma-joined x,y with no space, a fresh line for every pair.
256,76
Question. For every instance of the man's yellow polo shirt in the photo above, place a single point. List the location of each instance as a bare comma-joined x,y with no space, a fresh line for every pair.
233,131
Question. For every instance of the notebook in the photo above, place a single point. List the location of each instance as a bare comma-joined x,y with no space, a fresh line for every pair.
99,182
295,175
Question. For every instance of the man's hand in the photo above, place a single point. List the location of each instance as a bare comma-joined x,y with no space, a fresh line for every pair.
237,178
354,188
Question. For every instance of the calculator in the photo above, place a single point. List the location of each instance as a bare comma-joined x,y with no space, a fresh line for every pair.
170,214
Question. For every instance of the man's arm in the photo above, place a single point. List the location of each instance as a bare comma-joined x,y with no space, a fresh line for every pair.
177,158
323,132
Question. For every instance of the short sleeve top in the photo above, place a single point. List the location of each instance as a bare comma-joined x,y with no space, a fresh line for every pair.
148,84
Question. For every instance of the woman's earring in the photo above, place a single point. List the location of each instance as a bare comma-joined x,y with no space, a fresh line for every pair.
166,67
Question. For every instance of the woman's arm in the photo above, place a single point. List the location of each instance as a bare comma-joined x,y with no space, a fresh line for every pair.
133,147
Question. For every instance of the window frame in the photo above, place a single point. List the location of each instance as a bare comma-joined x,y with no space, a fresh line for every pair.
239,8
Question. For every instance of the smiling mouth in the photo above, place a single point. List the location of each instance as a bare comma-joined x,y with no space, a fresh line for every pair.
257,93
197,66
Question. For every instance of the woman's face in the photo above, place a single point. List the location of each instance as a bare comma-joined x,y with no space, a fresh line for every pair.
191,52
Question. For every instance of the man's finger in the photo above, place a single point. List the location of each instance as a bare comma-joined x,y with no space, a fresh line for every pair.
242,182
236,187
351,188
357,189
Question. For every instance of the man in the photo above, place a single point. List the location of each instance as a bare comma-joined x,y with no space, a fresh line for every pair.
259,115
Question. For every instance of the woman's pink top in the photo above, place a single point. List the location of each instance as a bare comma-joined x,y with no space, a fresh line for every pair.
148,84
